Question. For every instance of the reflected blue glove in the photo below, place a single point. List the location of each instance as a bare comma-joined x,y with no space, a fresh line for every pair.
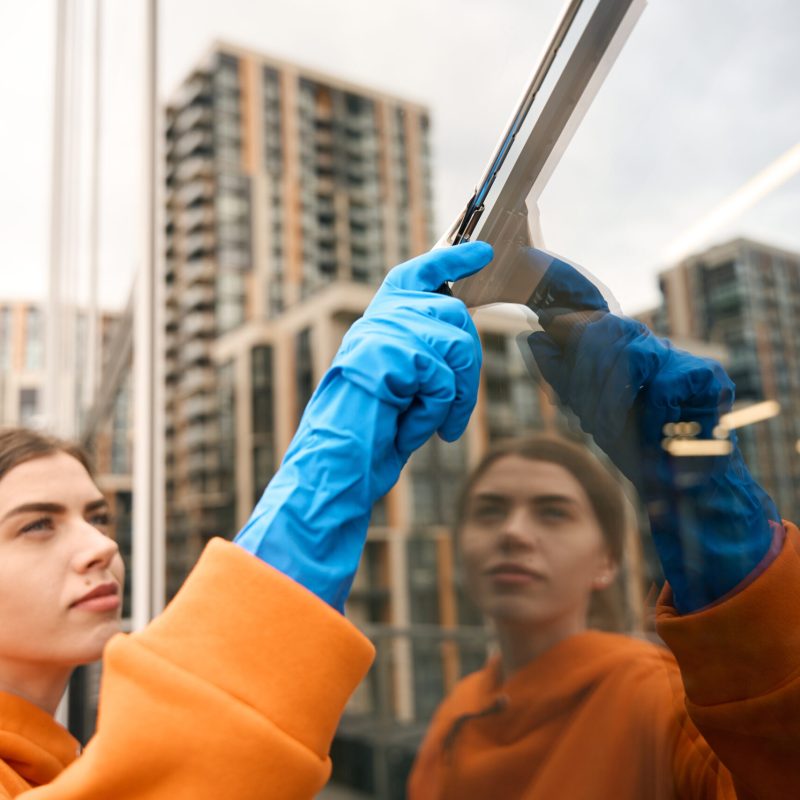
407,369
710,520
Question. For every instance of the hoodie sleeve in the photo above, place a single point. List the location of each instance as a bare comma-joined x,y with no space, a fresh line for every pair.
234,691
740,662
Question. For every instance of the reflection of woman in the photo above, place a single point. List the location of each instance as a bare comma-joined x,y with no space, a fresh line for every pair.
236,689
561,711
568,713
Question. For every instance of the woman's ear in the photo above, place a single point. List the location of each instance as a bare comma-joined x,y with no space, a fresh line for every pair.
606,574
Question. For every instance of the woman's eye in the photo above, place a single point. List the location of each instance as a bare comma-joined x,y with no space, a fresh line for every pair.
102,520
38,526
554,513
488,513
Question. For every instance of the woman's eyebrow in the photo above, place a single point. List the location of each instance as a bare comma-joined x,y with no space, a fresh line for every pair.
26,508
491,496
554,498
95,504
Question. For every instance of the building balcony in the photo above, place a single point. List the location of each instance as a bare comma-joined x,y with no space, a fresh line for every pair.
198,271
198,406
197,189
196,90
201,435
194,167
197,297
197,218
190,117
198,323
198,244
202,463
192,143
196,378
172,316
195,352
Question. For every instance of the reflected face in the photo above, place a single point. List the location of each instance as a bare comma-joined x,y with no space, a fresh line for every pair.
532,548
61,575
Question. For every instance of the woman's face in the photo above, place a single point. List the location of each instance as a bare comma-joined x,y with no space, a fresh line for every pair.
54,552
532,547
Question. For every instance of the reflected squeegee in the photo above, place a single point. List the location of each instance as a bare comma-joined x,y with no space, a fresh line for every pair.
579,54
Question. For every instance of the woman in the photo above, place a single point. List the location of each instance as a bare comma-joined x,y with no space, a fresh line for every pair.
60,596
236,689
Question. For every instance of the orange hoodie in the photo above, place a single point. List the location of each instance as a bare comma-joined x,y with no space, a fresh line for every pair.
606,716
235,691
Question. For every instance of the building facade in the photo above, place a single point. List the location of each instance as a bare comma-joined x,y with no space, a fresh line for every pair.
22,368
22,360
745,296
281,183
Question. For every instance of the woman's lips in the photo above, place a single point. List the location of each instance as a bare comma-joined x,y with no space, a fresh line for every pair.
103,598
512,574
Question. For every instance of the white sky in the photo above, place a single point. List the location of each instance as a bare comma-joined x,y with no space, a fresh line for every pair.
704,95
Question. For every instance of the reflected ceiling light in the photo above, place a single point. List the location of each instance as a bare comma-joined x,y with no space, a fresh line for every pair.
695,447
749,415
797,445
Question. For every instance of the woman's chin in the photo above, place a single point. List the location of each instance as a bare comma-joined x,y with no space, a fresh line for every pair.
515,611
92,647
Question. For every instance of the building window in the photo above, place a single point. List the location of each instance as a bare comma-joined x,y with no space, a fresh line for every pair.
230,300
424,599
121,423
263,419
34,340
5,339
123,527
304,370
437,470
226,398
233,221
28,406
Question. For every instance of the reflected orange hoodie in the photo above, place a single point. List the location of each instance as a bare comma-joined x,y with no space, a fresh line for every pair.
606,716
235,691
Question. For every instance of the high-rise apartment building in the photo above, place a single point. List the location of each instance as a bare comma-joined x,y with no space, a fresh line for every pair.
746,296
282,183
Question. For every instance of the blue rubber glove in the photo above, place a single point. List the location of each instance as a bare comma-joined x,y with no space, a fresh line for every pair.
710,520
407,369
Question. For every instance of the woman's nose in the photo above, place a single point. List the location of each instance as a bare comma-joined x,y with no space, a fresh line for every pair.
517,531
96,550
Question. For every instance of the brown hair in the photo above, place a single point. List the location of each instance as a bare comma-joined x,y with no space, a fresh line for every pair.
604,491
18,445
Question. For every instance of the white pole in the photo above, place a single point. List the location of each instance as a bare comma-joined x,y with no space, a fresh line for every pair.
157,195
148,470
93,349
53,319
70,274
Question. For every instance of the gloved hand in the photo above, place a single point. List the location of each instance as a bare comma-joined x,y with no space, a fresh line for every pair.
709,519
408,368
